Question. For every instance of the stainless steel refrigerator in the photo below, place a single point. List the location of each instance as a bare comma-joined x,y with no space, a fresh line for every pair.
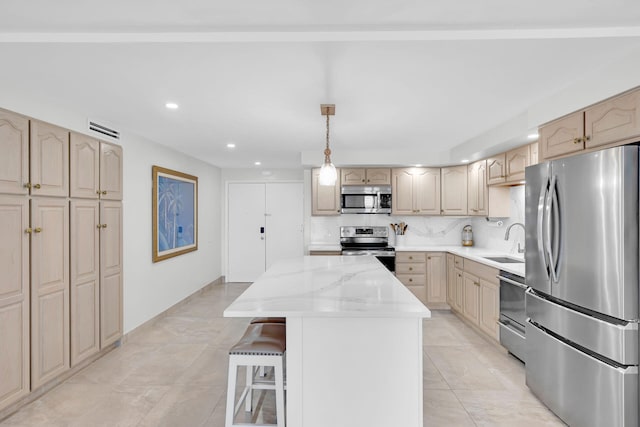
582,259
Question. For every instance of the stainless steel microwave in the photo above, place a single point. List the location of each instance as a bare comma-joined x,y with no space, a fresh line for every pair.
365,199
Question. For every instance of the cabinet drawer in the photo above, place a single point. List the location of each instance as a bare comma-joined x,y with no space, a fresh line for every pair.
458,262
481,270
410,257
412,279
411,268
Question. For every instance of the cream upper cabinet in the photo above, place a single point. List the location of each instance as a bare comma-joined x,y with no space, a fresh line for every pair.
49,289
616,119
533,154
416,191
110,171
516,161
49,165
490,307
325,200
368,176
436,268
84,179
14,158
14,299
496,169
562,136
454,190
477,190
111,327
85,279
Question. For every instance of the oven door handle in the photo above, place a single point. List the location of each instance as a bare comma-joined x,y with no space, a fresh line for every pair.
513,282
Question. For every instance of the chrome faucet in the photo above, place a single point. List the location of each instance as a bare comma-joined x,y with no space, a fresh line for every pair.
506,235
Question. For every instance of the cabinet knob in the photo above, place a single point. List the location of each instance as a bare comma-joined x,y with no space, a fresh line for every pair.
411,280
410,268
476,283
37,230
428,257
99,226
363,180
104,192
28,230
27,185
36,186
577,140
98,192
104,225
586,138
410,257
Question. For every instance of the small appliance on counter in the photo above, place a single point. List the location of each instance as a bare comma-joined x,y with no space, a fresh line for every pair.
467,235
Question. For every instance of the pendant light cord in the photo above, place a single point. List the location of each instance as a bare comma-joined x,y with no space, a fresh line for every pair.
327,150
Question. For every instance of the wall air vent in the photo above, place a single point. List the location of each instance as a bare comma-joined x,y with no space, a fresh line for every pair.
103,129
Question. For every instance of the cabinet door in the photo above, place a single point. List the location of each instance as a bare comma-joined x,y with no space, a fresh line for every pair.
478,191
49,166
533,154
471,286
459,302
402,200
379,176
325,199
436,277
14,146
516,160
490,308
85,279
454,190
353,176
614,120
496,170
562,136
110,171
49,289
426,184
14,299
84,164
451,281
110,272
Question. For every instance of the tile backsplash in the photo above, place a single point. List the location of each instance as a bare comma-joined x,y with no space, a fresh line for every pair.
433,230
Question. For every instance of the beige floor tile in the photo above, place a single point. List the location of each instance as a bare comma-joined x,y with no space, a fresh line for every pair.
443,409
462,369
432,379
446,329
184,406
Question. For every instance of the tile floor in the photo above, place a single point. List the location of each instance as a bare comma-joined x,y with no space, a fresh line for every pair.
175,374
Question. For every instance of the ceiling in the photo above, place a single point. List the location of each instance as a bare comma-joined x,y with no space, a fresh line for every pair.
406,77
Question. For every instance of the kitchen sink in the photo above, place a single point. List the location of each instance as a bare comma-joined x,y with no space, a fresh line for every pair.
504,260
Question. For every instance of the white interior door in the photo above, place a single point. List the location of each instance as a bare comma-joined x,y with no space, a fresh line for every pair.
284,219
246,253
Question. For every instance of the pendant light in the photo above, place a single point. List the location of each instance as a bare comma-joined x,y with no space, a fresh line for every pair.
328,174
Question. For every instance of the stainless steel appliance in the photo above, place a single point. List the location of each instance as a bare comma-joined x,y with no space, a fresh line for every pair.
366,199
513,317
582,258
372,241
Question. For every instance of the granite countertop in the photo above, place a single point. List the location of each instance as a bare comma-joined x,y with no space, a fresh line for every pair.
473,253
327,286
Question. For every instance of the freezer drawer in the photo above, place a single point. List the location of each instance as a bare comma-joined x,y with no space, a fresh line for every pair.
513,341
615,341
580,389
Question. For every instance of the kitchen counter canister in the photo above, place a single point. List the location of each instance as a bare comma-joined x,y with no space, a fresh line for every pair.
347,317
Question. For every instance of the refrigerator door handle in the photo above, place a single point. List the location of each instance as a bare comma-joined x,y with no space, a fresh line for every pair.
540,225
555,244
547,234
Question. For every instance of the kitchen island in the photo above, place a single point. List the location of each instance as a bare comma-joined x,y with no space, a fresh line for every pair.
354,340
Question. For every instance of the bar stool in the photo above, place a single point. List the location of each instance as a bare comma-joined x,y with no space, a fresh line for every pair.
263,344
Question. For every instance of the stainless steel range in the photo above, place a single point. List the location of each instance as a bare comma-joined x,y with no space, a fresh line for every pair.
372,241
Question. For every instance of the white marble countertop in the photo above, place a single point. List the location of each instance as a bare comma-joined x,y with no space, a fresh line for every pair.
327,286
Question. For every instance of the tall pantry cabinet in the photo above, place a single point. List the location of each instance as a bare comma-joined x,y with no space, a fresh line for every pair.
60,227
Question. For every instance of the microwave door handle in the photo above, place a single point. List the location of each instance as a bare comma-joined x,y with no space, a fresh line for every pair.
540,225
548,234
378,199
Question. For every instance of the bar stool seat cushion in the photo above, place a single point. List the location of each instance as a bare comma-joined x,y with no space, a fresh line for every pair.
265,339
269,320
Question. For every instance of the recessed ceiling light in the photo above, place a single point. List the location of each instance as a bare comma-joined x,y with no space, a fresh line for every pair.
464,161
533,136
231,145
257,163
171,105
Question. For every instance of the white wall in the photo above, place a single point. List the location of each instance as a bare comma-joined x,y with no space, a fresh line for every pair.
149,288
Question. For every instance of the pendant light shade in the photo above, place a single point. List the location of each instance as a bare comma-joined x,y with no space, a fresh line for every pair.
328,174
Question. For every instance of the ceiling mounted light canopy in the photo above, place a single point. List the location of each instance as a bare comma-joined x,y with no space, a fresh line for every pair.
328,174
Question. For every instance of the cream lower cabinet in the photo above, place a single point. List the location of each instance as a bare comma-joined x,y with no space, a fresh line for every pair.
411,268
85,279
111,327
14,300
471,292
489,308
451,280
458,304
436,271
49,289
